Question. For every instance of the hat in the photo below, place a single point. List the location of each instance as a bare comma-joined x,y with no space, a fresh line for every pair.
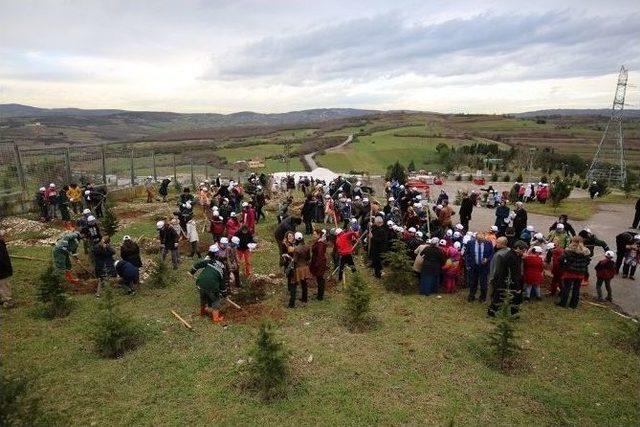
235,240
537,249
298,235
459,227
588,230
530,228
449,232
86,212
559,226
636,237
252,246
550,246
457,245
391,199
538,236
326,196
127,237
418,197
52,185
91,218
338,231
259,187
442,242
365,200
439,207
159,224
390,223
419,234
214,248
609,254
233,214
224,241
417,205
494,228
357,197
457,235
434,240
412,230
42,189
353,220
115,264
466,239
245,204
86,192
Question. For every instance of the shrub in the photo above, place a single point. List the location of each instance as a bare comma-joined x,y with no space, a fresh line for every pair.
559,191
503,340
269,369
114,333
17,408
519,178
357,309
458,177
506,178
411,167
160,275
399,277
396,171
470,178
544,180
110,223
494,177
52,294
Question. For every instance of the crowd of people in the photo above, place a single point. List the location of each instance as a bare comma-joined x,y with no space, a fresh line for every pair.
54,203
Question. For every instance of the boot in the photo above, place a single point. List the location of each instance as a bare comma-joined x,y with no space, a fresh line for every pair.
70,278
203,310
216,317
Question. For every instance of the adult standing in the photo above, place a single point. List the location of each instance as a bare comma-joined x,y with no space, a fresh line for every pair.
520,219
105,268
379,241
505,275
130,251
502,213
74,193
636,217
433,260
288,224
477,256
6,271
164,189
564,220
308,212
318,265
574,263
169,241
466,209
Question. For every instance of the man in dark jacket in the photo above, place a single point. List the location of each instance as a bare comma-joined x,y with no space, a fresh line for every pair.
505,275
288,224
636,217
622,240
308,212
379,244
130,252
129,274
590,240
520,219
164,189
6,271
477,256
466,209
169,241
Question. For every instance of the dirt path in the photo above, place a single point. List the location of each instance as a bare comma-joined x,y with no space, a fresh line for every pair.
309,158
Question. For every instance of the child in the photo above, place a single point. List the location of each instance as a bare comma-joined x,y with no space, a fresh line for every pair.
631,258
605,270
553,258
532,274
192,235
451,268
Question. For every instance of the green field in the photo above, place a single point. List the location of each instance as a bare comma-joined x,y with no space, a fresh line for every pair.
375,152
425,362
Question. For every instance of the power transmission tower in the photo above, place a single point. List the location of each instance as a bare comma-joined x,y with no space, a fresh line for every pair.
609,162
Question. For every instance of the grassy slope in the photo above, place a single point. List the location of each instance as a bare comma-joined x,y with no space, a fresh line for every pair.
423,364
376,151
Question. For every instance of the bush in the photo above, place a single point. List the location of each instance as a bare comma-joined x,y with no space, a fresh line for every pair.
114,333
399,277
519,178
110,223
269,369
470,178
411,167
506,178
494,177
458,178
160,275
396,171
357,309
17,408
559,191
52,294
544,180
502,339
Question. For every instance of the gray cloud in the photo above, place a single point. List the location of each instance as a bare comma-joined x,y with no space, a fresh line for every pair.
544,45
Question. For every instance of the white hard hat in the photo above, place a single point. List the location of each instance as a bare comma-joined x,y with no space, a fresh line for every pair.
559,226
550,246
224,240
245,204
214,248
91,218
530,228
412,230
610,254
507,220
353,220
442,242
159,224
449,232
42,189
538,236
52,185
357,197
365,200
537,249
391,199
390,223
457,245
298,235
235,240
338,231
419,234
459,227
86,212
457,234
466,239
87,192
326,196
636,237
494,228
127,237
434,241
418,197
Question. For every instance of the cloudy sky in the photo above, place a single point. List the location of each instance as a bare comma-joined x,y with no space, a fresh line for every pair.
281,55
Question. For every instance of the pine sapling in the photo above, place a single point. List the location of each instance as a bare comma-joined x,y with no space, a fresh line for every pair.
269,371
503,339
399,276
110,223
160,275
52,294
114,333
357,309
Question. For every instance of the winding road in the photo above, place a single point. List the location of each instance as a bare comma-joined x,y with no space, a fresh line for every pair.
311,161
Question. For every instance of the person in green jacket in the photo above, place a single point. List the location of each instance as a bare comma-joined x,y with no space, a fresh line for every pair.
65,248
559,236
210,284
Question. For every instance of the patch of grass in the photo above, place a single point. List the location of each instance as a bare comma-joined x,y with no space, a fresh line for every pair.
580,209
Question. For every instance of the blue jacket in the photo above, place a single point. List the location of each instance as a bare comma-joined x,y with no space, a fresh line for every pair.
473,257
127,271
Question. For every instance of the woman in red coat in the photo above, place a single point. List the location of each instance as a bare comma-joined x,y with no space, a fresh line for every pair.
532,273
318,265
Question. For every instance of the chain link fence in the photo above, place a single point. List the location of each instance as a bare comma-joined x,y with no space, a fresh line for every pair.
24,170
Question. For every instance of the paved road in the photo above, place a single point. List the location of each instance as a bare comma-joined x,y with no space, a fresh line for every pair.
312,162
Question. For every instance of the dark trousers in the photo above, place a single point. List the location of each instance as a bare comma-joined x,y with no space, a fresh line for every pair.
260,213
628,270
194,249
497,297
570,286
465,223
620,250
344,261
477,276
320,282
636,219
293,286
376,263
607,285
308,228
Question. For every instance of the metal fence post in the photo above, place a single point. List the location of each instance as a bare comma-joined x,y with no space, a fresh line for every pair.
153,158
193,180
23,183
206,171
104,167
133,175
175,174
67,164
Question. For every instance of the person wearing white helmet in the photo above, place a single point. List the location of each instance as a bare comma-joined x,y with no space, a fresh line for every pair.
591,241
451,269
532,273
130,252
259,201
433,259
149,188
559,236
129,275
527,234
51,197
210,284
65,248
41,201
605,271
169,243
249,217
245,246
193,238
520,218
492,234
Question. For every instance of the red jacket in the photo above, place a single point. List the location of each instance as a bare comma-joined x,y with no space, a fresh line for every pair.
232,227
249,218
345,242
605,269
532,269
217,226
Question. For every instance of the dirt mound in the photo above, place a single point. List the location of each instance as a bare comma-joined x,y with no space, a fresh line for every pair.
254,314
26,232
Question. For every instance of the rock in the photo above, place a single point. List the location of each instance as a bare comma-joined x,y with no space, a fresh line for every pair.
310,358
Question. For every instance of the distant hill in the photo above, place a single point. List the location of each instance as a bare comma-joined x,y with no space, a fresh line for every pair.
574,112
13,111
